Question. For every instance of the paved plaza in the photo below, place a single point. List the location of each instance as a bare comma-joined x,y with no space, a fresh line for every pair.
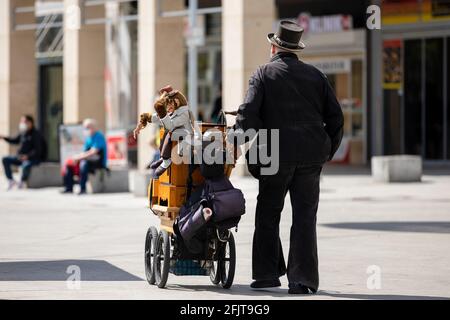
376,241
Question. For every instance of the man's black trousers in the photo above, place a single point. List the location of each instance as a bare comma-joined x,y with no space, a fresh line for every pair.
302,182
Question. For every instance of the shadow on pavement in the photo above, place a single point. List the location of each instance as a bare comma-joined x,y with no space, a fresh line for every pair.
245,290
90,270
236,289
396,226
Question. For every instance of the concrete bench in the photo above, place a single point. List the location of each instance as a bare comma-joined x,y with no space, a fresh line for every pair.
139,182
116,180
46,174
397,168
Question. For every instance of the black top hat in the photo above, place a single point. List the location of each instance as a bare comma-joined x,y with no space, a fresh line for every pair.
288,36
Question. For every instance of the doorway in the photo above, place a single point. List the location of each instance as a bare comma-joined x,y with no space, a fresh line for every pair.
51,106
417,113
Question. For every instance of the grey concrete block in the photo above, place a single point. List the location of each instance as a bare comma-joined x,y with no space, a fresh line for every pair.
46,174
140,183
397,168
108,182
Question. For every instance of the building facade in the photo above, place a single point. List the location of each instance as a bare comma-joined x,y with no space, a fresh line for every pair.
63,61
415,60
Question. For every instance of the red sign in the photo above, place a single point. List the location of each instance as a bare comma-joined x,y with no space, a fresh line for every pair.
117,148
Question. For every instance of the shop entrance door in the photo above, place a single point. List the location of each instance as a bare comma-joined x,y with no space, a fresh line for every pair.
51,106
426,108
346,76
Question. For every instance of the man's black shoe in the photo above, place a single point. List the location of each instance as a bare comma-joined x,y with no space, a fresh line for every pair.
298,289
261,284
66,191
82,193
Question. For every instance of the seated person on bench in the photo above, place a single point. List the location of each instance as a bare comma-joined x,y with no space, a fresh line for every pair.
94,157
31,151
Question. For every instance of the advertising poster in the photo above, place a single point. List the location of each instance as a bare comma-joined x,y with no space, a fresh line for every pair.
117,142
392,64
71,141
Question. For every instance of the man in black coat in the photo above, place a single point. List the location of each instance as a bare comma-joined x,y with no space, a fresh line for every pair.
29,153
297,100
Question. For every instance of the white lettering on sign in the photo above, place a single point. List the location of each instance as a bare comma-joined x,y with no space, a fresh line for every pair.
333,23
334,66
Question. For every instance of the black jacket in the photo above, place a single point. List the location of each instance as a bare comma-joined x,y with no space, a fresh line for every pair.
297,99
30,144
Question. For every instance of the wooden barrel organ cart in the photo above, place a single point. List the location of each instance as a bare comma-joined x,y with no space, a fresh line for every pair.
162,249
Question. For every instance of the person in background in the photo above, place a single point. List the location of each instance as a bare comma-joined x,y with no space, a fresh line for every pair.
156,155
217,108
94,157
29,154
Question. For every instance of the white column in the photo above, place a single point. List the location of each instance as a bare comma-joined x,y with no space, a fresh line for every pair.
245,25
161,52
84,66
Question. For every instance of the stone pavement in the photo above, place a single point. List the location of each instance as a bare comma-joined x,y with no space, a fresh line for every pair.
400,232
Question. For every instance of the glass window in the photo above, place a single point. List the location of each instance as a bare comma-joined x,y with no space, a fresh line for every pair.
413,97
434,129
392,120
203,65
51,107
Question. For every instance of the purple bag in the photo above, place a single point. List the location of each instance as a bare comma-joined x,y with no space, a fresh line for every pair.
225,204
191,223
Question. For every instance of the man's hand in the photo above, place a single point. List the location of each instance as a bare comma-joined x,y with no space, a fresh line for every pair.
23,157
231,113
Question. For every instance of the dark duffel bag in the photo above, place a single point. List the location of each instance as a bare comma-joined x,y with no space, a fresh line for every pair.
228,224
225,204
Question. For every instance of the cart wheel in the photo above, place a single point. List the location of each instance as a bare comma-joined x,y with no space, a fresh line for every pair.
214,273
227,262
150,247
162,259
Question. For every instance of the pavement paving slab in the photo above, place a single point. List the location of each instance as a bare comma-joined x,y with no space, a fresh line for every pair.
376,241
